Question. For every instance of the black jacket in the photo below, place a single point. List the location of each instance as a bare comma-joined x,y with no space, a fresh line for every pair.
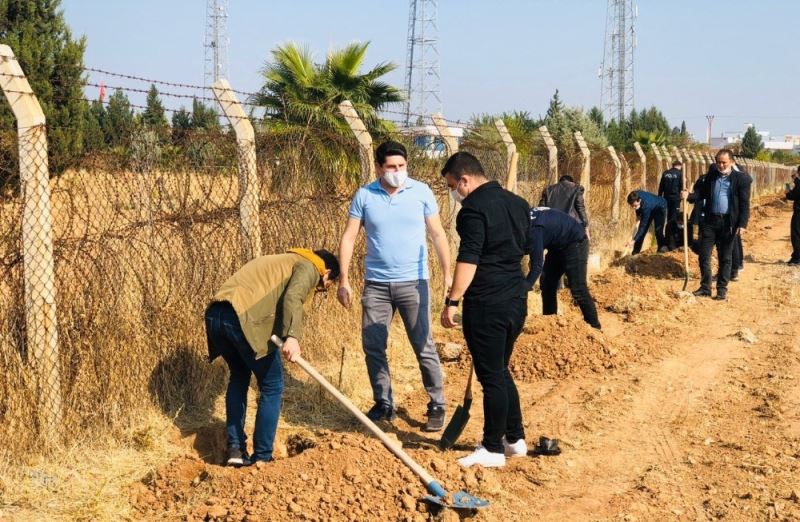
739,204
794,195
566,197
671,184
550,230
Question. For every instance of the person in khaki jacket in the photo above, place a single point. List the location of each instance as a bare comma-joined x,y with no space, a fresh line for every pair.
264,297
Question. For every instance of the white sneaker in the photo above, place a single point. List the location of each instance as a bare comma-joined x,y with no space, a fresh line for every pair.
518,449
483,457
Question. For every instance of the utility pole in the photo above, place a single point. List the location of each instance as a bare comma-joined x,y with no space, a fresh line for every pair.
616,71
216,41
422,61
710,118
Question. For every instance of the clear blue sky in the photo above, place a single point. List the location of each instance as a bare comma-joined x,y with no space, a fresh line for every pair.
736,59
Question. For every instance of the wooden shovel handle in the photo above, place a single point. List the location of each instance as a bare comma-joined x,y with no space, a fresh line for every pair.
389,443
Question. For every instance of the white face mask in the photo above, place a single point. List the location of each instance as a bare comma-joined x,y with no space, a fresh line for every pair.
456,195
395,179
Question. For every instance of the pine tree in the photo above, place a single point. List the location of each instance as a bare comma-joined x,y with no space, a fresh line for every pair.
684,132
203,116
154,117
181,124
53,63
119,121
751,143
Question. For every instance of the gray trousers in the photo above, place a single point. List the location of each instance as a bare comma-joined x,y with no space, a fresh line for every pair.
412,299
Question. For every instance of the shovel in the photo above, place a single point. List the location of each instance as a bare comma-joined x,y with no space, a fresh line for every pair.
438,495
685,239
459,419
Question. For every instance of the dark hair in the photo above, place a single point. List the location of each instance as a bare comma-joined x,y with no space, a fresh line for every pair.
566,177
462,163
331,263
720,152
389,148
677,163
633,197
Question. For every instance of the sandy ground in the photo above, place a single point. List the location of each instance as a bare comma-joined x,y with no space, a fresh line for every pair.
681,409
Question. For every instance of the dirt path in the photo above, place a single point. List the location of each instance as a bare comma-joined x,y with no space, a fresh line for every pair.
682,409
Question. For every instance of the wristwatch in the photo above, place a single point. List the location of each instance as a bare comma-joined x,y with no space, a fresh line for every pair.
451,302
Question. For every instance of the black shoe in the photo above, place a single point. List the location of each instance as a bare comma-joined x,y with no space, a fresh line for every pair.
435,418
793,262
381,412
663,249
237,458
701,292
721,296
734,277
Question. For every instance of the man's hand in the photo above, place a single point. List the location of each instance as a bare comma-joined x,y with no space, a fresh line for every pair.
448,316
345,295
742,231
684,194
290,349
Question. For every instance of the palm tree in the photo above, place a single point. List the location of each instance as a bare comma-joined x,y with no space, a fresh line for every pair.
297,91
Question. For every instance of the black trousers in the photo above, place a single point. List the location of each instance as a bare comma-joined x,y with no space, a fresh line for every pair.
571,261
673,207
716,231
794,233
658,215
491,331
737,255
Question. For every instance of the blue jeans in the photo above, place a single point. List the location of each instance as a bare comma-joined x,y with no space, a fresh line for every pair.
225,333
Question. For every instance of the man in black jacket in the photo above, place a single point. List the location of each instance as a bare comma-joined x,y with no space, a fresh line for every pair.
793,194
567,252
725,193
566,196
670,189
493,227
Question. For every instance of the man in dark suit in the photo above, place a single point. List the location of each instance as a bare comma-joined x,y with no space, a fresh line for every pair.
566,196
725,194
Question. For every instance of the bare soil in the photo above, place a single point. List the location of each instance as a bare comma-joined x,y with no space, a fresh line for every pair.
680,409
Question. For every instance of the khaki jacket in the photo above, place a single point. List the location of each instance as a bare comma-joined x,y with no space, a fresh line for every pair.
268,294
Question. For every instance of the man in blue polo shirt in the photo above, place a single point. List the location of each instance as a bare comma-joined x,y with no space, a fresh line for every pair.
396,211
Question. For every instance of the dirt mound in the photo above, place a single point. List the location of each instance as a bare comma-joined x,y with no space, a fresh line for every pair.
556,346
338,477
629,297
660,266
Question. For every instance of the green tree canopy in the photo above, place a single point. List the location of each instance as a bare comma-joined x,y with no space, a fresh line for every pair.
751,143
53,63
300,92
119,122
154,116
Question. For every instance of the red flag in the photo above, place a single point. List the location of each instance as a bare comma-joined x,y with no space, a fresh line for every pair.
102,91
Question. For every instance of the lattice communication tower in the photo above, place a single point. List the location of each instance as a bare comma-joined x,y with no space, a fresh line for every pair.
216,41
616,71
422,61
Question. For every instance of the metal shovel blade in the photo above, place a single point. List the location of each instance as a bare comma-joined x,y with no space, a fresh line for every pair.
459,500
456,425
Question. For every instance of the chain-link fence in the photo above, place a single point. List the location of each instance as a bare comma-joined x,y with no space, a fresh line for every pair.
106,318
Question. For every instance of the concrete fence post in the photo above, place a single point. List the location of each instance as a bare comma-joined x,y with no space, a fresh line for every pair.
659,163
451,144
642,165
249,222
626,174
615,193
364,140
41,332
688,164
449,139
512,157
586,168
552,153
